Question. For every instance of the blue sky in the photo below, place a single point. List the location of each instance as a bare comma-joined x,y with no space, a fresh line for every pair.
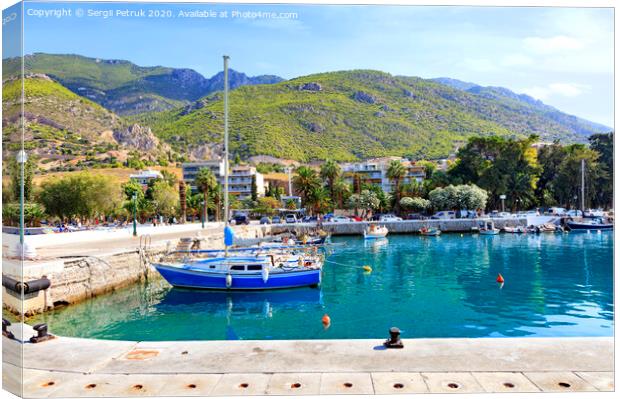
563,56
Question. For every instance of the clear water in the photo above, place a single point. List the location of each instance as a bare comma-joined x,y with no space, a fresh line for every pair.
555,285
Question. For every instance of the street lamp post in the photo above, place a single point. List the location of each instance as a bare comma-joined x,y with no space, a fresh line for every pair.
22,158
202,214
290,186
503,197
135,223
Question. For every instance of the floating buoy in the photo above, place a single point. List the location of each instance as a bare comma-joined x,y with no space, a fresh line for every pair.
326,320
461,234
367,268
500,279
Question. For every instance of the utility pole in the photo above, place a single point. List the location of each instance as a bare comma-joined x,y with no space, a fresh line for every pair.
290,186
583,185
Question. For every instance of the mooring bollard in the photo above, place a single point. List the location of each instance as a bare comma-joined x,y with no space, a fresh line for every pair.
394,340
5,332
42,334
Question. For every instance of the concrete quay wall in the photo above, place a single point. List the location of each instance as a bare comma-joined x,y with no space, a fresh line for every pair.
400,227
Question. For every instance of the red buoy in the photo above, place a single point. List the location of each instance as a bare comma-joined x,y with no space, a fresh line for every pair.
326,320
500,279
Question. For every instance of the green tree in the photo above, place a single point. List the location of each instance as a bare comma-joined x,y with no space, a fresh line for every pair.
604,145
83,195
415,204
341,192
15,173
165,199
396,173
319,200
254,188
330,171
306,182
205,181
267,206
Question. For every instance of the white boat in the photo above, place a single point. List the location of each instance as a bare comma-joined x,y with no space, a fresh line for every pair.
515,230
488,228
373,232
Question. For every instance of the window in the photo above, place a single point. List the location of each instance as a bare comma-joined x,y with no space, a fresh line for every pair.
237,268
254,267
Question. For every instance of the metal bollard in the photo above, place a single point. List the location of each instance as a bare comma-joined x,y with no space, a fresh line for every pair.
394,340
5,332
42,334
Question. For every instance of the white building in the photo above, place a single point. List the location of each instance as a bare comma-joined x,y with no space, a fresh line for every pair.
145,176
239,177
375,171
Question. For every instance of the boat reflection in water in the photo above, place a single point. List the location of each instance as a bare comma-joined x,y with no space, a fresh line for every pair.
238,303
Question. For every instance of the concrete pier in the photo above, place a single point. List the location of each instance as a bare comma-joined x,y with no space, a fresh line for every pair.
73,367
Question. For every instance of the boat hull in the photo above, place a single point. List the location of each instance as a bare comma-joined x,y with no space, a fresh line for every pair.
588,226
179,277
489,232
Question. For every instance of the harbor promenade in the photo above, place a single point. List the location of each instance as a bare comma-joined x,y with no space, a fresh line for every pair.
74,367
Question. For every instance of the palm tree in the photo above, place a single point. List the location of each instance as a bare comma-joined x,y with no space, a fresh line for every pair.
341,190
330,171
396,172
305,182
205,181
319,200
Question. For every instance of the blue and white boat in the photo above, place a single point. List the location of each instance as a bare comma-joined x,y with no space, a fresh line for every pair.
274,271
258,269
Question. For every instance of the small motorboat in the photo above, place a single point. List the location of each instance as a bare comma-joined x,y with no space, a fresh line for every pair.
547,228
373,232
594,224
488,228
515,230
430,231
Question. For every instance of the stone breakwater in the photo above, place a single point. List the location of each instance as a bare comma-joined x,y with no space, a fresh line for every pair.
75,278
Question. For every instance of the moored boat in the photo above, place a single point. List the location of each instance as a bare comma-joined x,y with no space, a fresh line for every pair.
515,230
374,232
594,224
430,231
488,228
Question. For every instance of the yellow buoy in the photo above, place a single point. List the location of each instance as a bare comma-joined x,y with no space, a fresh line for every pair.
367,268
461,234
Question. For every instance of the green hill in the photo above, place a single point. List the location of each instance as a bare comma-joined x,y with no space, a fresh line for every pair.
123,87
63,130
352,115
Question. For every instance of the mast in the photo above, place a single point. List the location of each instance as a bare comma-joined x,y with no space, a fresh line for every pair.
226,228
583,185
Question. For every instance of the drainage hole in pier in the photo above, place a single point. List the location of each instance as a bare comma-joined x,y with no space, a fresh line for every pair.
564,384
191,386
296,385
509,385
453,385
244,385
138,386
184,353
49,384
347,385
398,385
90,386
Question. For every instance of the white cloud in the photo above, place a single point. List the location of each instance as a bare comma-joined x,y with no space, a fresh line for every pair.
556,89
554,44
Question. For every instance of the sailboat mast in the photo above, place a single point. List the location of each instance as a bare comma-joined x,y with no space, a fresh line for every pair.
583,185
226,139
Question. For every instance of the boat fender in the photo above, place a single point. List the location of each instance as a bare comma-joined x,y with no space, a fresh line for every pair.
229,280
367,268
265,273
301,261
500,278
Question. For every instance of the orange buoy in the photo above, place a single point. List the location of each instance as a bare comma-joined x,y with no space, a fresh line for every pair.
326,320
500,278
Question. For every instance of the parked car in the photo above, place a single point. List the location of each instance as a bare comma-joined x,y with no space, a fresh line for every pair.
502,215
355,218
390,218
265,220
415,216
594,213
466,214
574,213
340,219
241,218
556,211
290,218
309,219
276,220
444,215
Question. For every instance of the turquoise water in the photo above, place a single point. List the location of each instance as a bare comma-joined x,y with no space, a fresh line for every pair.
555,285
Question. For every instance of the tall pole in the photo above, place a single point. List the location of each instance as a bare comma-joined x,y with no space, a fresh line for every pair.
135,232
226,145
290,186
583,185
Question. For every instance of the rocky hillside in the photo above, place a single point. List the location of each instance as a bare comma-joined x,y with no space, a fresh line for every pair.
358,114
65,131
125,88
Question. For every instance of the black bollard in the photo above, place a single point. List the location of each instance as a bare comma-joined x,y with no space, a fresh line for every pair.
42,334
5,332
394,340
